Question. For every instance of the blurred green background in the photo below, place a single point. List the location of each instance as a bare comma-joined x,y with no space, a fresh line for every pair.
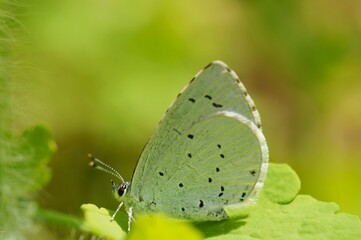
100,74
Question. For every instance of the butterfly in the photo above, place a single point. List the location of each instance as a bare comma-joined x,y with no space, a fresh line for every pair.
207,152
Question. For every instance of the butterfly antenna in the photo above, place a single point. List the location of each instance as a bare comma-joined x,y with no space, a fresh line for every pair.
98,164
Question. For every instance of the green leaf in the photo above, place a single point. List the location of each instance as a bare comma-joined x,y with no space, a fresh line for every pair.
23,171
97,221
278,213
282,184
155,226
159,227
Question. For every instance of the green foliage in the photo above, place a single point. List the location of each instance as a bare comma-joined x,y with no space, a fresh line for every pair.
24,158
97,222
145,227
23,172
163,228
279,213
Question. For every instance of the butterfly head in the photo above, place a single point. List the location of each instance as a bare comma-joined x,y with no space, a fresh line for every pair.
120,190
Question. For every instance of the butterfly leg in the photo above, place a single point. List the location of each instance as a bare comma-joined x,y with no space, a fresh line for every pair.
130,217
116,211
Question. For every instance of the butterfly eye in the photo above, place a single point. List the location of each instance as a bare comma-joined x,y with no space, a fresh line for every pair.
121,190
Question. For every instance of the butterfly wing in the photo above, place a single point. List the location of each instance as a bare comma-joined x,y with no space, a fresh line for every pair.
207,152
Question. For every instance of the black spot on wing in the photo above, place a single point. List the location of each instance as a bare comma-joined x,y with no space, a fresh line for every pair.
192,100
181,185
210,180
219,146
201,203
217,169
216,105
222,190
208,97
189,155
222,155
253,172
161,174
190,136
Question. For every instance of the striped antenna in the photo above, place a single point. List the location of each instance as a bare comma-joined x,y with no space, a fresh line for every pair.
96,163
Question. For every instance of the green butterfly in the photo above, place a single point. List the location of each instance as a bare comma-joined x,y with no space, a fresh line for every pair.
207,152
